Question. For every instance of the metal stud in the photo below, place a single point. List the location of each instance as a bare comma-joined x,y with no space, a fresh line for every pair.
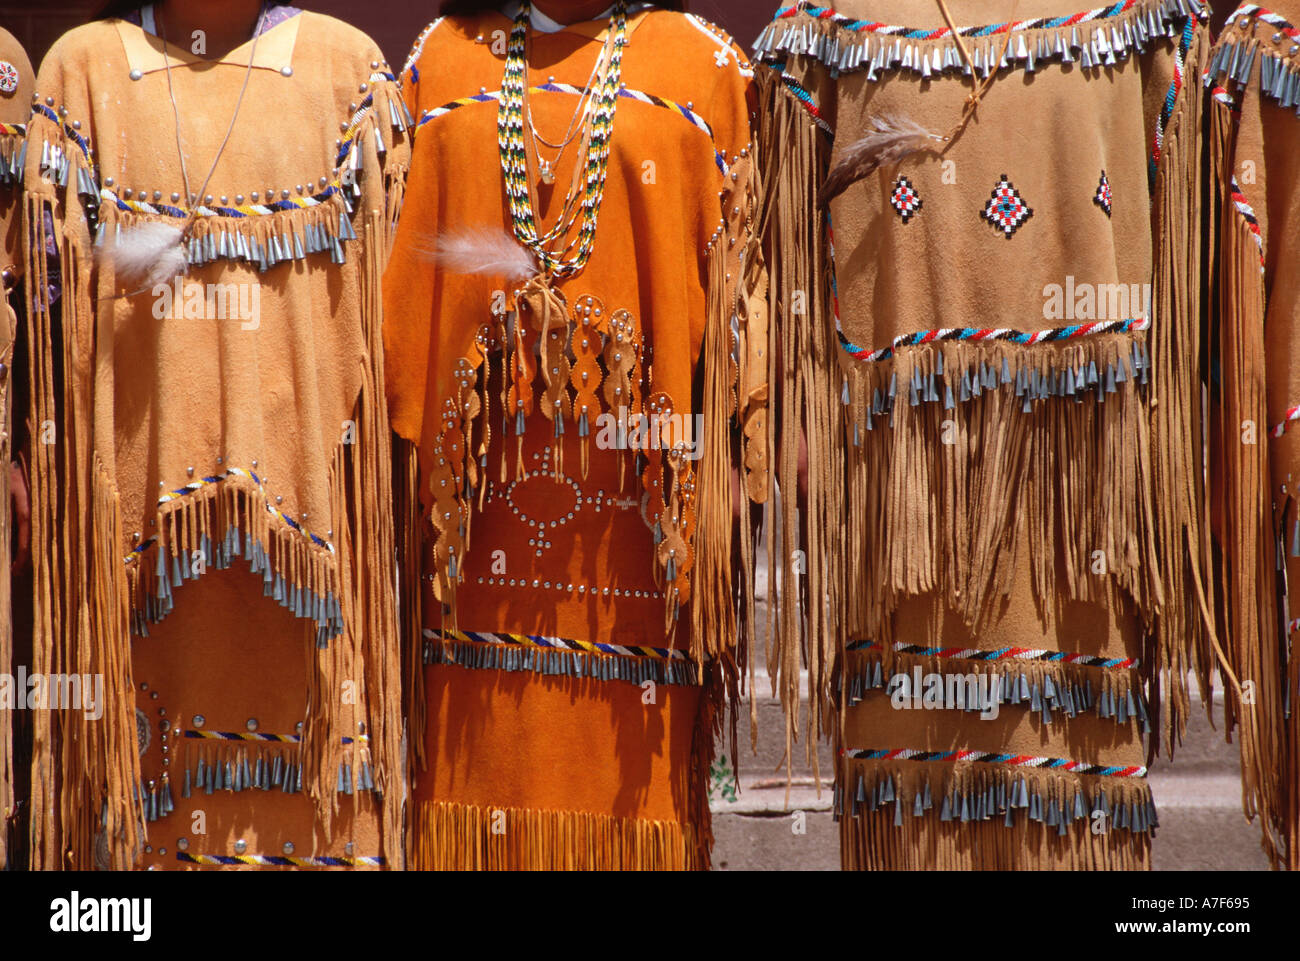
182,844
288,847
135,75
251,724
198,720
241,846
287,70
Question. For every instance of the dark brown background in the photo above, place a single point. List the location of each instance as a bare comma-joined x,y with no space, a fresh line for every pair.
394,24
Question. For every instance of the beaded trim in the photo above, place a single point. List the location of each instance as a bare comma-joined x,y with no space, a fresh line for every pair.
993,757
1171,97
69,131
239,472
1004,654
869,26
1279,75
1248,214
724,42
1040,693
874,47
276,860
216,210
417,50
1002,797
802,94
11,128
560,657
978,335
683,110
556,643
1289,418
199,734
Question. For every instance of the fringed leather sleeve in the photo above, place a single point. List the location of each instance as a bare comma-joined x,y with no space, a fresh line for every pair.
1253,136
384,135
84,771
808,512
1183,640
13,129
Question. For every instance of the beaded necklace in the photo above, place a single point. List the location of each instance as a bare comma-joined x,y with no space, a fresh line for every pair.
588,189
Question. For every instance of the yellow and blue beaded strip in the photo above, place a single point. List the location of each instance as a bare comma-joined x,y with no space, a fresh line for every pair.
484,650
682,110
240,472
277,861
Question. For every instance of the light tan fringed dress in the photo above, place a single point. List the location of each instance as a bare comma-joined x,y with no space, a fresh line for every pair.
1253,82
581,621
1005,558
211,528
16,79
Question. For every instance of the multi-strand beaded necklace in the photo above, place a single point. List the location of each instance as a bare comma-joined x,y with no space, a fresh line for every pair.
588,188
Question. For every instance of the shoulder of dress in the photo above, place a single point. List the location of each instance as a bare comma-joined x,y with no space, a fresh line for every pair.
697,42
80,44
328,36
12,51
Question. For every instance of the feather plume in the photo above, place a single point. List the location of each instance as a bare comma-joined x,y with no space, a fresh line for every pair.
145,255
484,251
889,141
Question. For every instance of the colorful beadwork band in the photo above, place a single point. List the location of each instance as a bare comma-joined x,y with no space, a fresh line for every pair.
982,335
555,643
641,96
909,33
992,757
240,472
1004,654
278,861
259,736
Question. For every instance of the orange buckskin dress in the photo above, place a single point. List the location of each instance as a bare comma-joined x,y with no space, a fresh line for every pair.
579,610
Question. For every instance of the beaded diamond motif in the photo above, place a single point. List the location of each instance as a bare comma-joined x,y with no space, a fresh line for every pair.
1102,198
905,199
1006,209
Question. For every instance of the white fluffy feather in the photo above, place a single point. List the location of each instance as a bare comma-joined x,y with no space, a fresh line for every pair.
483,251
146,255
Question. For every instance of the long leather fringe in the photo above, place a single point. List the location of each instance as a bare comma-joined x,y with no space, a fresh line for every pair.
85,776
464,837
1184,633
901,815
802,629
1250,527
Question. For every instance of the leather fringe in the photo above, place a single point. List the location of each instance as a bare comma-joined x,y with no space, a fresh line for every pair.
803,380
465,837
86,785
1045,687
8,801
899,816
1251,519
1184,635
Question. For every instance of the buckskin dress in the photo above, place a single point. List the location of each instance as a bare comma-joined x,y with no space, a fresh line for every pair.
210,525
991,345
580,618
